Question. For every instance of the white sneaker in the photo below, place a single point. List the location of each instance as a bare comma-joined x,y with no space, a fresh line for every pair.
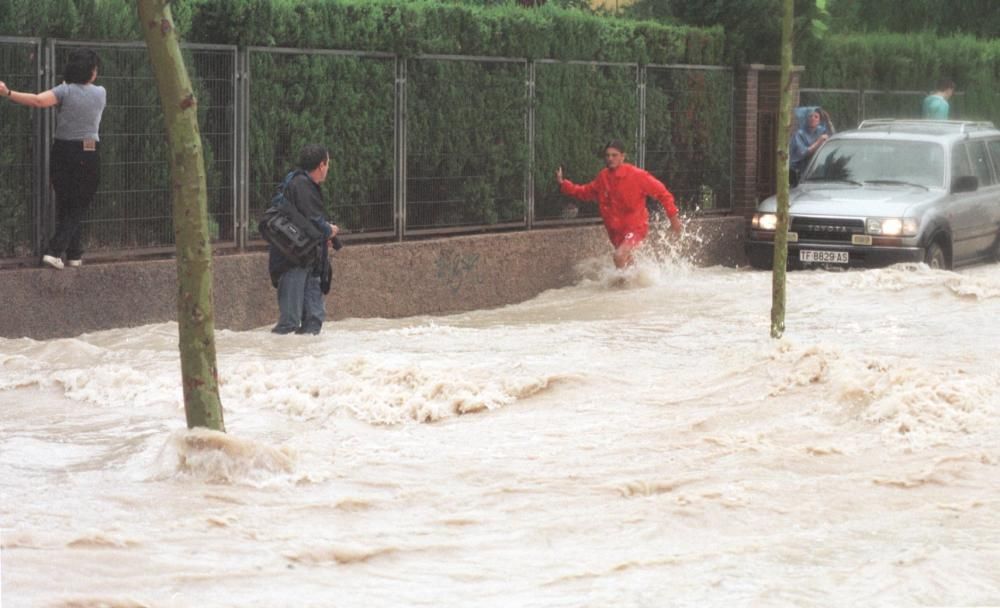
52,261
75,263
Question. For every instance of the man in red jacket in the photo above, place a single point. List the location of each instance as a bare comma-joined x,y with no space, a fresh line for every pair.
620,190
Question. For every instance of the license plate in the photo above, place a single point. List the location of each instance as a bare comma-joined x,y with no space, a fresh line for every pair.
824,257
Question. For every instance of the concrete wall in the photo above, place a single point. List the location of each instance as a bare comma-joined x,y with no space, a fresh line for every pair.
378,280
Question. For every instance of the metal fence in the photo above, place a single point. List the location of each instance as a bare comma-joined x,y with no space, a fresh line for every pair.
21,178
399,130
848,107
282,112
585,122
133,205
688,115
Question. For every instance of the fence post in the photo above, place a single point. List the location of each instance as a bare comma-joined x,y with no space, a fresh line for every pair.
241,211
399,143
40,158
46,215
732,142
640,136
529,178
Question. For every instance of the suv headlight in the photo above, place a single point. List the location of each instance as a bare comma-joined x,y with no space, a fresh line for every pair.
892,226
764,221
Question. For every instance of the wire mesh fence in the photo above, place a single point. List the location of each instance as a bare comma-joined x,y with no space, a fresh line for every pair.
454,106
419,145
580,107
848,107
689,119
133,205
20,68
344,100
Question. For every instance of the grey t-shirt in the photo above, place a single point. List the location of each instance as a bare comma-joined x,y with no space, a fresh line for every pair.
79,112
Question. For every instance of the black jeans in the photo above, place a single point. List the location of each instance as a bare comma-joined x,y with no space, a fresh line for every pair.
75,173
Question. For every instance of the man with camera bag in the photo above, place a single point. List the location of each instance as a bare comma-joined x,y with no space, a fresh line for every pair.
303,281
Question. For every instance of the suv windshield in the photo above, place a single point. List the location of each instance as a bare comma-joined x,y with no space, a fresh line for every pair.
865,160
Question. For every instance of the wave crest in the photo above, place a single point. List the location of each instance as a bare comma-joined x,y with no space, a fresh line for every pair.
383,393
914,406
214,457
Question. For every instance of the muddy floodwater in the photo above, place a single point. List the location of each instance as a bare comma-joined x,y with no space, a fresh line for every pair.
636,442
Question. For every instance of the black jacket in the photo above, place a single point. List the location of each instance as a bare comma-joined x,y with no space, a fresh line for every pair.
306,197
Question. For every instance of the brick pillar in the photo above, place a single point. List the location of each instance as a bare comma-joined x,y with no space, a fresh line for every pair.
745,140
758,98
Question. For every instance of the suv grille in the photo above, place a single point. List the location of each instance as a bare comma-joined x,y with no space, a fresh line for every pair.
827,228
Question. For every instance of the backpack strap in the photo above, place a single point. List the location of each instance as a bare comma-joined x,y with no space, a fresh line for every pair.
288,179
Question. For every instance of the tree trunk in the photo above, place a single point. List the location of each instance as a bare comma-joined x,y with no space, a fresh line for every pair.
778,282
195,310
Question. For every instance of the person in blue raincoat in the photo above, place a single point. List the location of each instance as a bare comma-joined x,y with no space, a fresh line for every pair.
814,128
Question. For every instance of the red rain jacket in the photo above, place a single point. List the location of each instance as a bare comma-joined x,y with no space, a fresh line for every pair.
621,196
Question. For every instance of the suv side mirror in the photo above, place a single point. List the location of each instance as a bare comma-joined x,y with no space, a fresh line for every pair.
964,183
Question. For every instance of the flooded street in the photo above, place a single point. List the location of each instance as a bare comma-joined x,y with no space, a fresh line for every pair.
605,444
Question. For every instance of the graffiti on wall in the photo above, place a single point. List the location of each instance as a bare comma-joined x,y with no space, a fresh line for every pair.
456,270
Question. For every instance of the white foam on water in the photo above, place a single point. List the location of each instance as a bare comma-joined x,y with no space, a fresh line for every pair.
632,437
915,406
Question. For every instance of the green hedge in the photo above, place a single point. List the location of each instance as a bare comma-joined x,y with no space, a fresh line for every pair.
913,62
403,26
946,17
293,102
425,26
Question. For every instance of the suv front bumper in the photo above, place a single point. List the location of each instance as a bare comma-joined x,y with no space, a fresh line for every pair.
760,253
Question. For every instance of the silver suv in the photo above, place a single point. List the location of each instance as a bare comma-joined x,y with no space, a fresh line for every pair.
892,191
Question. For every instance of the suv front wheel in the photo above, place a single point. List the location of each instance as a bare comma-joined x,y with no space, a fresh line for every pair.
934,257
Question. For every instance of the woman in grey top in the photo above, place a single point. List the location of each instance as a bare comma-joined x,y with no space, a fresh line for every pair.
75,166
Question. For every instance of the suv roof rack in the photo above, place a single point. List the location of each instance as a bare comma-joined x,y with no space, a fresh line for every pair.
956,126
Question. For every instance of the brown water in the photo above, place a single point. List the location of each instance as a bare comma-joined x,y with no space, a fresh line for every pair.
636,444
